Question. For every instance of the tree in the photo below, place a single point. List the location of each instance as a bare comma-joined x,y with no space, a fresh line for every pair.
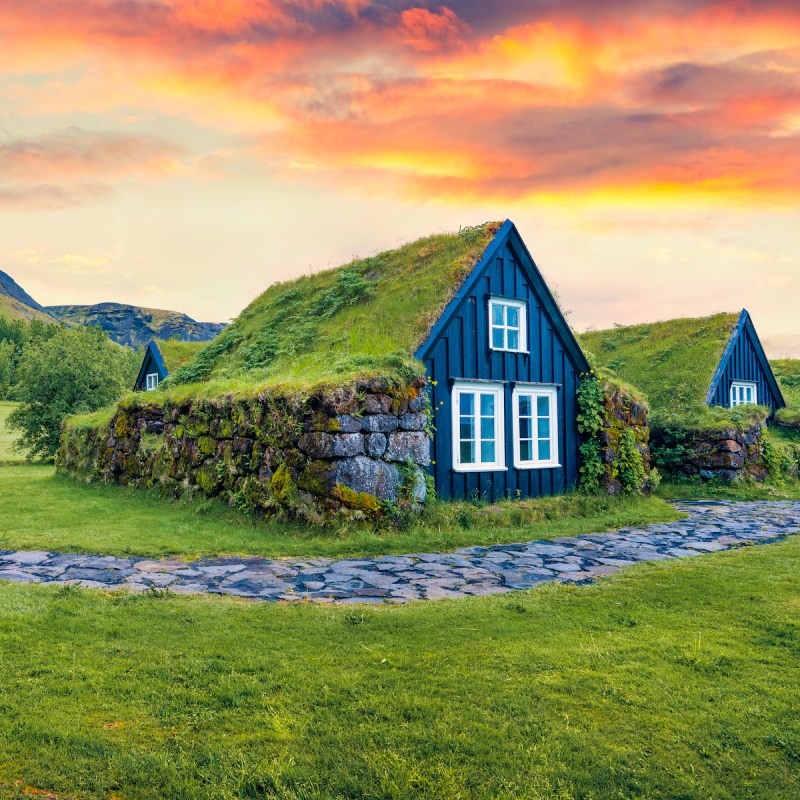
75,371
8,362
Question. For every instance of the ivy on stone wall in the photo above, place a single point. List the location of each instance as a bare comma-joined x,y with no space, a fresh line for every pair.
613,424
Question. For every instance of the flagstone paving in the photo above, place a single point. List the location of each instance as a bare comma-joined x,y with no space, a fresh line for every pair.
469,571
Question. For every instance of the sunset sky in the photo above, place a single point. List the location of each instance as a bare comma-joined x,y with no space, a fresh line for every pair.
186,154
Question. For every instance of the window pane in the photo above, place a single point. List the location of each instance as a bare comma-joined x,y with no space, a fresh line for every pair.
497,314
497,339
512,317
467,452
544,451
467,428
513,340
487,405
544,428
524,405
524,428
525,451
487,452
487,427
543,406
467,404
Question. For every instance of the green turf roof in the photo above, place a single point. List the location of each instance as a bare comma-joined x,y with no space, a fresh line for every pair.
672,362
365,318
787,371
176,353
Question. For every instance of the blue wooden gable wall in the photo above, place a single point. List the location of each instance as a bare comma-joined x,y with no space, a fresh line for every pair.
744,359
458,348
152,362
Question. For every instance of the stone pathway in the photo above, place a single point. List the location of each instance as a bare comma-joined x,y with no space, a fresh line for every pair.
712,526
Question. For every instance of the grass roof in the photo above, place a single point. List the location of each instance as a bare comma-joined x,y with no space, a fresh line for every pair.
176,353
672,362
362,319
787,371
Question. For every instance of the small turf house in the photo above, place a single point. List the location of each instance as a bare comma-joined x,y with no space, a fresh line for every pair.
470,312
504,369
161,358
681,363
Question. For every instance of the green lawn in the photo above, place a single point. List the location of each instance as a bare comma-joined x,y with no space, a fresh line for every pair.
670,680
700,490
41,511
7,437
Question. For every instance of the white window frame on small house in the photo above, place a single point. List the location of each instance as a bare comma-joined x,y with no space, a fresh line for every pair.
505,329
536,430
743,393
151,381
471,453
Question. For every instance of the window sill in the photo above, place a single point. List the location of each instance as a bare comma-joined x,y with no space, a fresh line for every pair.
478,468
505,350
533,465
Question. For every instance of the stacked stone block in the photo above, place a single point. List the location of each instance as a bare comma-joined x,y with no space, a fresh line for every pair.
352,451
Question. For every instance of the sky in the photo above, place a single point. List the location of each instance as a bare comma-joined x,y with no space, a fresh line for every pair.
186,154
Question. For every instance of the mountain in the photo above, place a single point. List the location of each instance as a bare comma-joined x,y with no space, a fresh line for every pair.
16,303
135,326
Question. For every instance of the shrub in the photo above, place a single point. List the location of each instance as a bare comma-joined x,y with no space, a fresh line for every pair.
76,371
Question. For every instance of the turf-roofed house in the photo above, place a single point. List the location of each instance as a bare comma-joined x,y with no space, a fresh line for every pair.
443,364
681,363
711,389
160,358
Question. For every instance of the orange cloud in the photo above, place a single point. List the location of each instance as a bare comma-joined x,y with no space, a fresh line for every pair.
531,100
430,31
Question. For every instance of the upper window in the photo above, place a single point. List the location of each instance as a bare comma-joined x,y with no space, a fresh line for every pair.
743,393
151,381
507,325
478,427
535,426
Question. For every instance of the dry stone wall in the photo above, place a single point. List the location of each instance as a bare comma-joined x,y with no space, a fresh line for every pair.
357,451
727,453
622,411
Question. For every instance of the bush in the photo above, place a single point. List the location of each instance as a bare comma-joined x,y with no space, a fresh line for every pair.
77,370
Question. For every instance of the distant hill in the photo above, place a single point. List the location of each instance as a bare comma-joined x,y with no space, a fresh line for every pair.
136,326
16,303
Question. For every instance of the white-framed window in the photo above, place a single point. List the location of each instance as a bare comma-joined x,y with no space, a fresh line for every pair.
535,426
508,325
151,381
478,427
743,393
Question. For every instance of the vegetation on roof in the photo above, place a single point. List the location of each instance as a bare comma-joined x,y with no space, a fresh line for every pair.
363,319
672,362
787,371
176,353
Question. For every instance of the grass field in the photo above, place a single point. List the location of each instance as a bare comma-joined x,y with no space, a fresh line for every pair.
41,511
7,437
670,680
700,490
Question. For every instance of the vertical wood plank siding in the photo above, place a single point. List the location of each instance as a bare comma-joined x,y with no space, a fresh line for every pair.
745,365
462,352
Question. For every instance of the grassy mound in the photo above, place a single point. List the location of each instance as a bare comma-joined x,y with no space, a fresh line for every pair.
672,362
177,353
362,319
